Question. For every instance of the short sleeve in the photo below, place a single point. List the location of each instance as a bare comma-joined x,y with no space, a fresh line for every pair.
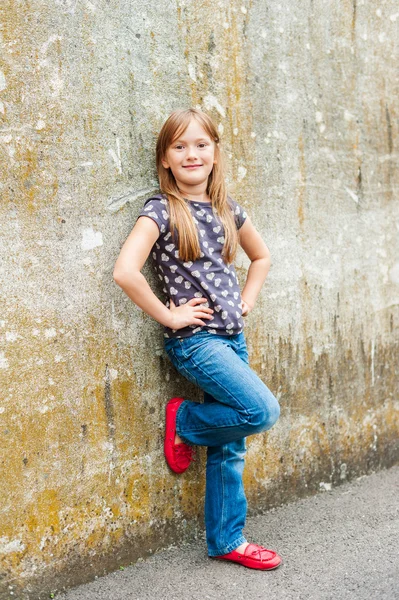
156,209
239,213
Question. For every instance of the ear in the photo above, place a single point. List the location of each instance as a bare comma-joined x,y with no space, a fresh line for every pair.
165,163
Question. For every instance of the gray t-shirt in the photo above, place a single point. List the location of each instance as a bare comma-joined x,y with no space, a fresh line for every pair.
208,277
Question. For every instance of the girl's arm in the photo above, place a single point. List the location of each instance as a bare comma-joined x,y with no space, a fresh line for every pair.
255,248
127,275
131,260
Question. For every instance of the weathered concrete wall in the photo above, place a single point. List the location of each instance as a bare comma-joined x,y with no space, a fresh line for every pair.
306,97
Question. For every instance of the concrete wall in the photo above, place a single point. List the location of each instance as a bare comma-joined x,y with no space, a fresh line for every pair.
306,97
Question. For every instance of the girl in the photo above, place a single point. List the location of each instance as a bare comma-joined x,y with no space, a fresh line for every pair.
192,230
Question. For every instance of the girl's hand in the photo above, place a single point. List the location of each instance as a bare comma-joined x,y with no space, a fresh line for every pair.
189,313
246,308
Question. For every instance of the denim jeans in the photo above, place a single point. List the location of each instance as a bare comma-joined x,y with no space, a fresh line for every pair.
236,404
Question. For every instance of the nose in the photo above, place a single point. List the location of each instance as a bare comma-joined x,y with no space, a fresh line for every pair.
192,152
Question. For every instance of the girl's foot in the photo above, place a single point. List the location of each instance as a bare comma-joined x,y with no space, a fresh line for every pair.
241,549
253,557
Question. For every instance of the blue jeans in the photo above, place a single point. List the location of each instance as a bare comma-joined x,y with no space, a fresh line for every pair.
236,404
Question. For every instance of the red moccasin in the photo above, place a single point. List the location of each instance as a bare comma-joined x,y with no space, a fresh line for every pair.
254,557
178,456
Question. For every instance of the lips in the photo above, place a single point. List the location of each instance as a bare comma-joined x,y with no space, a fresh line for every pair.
192,166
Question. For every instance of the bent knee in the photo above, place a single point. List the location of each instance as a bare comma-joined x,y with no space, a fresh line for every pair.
265,415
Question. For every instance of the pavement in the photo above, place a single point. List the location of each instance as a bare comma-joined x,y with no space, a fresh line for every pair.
341,544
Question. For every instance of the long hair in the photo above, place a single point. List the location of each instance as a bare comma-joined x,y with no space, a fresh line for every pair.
182,225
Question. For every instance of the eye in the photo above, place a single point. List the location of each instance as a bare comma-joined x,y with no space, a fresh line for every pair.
202,144
178,146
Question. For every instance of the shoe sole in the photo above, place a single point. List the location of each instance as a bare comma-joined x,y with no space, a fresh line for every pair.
235,562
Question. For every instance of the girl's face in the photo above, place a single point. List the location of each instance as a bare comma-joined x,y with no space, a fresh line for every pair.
190,156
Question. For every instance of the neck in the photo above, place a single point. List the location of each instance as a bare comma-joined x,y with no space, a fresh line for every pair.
197,193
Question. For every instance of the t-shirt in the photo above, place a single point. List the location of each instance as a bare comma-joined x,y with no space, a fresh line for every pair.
208,277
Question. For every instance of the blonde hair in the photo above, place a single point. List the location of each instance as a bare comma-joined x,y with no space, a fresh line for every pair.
181,220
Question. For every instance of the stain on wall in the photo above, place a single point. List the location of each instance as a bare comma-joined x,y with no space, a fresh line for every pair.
304,96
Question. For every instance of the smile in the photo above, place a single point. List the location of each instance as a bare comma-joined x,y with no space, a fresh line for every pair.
192,166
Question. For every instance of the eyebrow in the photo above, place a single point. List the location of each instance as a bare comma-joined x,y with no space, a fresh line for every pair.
198,140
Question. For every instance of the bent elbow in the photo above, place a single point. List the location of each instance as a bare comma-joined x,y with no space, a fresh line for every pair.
115,274
122,276
119,277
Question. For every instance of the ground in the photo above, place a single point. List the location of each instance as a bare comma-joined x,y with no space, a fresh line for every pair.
341,544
